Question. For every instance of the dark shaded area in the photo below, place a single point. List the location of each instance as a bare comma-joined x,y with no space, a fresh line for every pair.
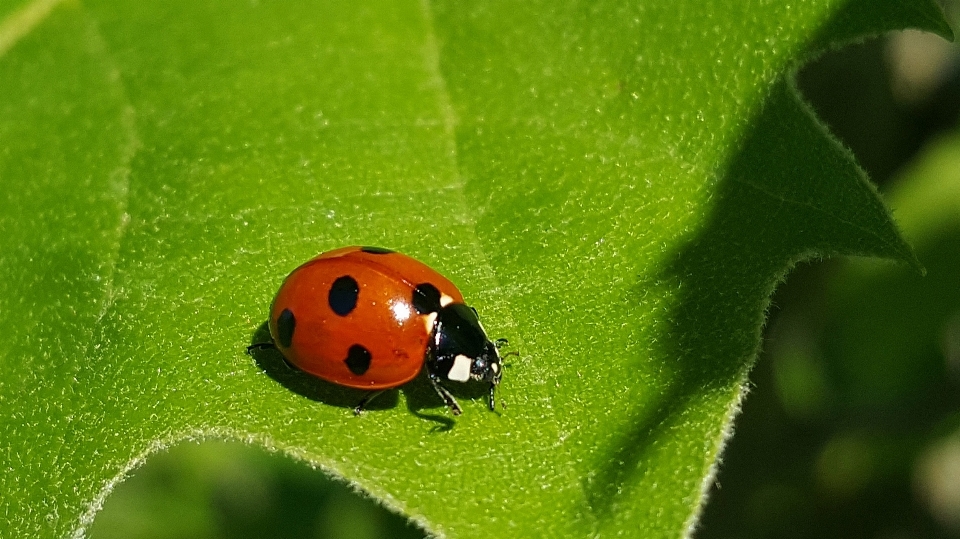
272,363
851,394
709,269
419,394
709,312
853,390
376,250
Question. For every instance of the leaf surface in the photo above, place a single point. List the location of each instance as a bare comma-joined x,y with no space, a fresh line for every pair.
616,188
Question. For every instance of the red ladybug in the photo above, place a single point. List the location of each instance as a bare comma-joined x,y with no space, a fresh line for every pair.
371,318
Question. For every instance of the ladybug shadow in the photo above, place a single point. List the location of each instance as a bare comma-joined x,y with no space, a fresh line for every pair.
419,393
421,396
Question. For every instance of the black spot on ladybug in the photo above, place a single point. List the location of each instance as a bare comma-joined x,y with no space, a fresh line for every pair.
343,295
375,250
358,359
285,326
426,298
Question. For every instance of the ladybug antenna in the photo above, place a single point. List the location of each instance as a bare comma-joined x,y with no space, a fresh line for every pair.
509,354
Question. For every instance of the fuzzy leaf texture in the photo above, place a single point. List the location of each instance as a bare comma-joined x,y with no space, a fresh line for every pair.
616,186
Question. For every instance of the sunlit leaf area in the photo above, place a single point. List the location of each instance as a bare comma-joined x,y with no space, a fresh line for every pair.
721,240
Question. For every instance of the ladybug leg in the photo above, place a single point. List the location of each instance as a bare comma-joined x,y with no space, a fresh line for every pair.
261,346
271,346
500,343
444,394
366,400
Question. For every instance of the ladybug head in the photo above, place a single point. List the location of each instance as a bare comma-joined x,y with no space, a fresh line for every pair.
461,351
488,368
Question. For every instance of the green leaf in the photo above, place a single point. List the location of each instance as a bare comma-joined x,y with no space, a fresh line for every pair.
617,188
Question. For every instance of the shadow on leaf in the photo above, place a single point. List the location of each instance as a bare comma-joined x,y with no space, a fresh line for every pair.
418,392
774,205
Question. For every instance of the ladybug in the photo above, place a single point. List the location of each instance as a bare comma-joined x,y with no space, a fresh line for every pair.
372,318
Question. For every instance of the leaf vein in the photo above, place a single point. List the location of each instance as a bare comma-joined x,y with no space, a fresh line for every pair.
785,200
22,21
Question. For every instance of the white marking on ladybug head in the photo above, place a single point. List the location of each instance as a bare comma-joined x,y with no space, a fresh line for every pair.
460,372
445,300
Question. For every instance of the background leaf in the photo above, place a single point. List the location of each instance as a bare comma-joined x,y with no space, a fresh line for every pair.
617,188
855,422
